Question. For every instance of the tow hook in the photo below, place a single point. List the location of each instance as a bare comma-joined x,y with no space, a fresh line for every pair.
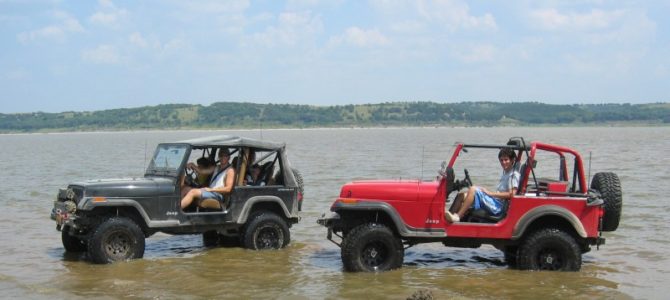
329,236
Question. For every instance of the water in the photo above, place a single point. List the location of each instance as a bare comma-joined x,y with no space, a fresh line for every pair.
633,263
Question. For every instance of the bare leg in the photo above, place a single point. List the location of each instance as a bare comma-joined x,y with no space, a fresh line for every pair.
190,196
458,202
185,190
467,202
183,187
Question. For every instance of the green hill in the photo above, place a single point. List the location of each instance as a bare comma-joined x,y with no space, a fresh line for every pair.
252,115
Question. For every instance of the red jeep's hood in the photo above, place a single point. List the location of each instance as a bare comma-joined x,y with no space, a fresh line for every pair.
398,190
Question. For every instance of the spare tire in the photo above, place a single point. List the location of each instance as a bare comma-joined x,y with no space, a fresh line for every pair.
298,180
609,187
301,187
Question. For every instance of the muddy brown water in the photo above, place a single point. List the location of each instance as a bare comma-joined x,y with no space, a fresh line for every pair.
633,264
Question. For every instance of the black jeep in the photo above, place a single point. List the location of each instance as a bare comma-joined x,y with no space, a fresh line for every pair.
110,218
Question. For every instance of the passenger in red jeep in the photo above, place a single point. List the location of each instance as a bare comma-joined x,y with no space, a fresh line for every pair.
478,197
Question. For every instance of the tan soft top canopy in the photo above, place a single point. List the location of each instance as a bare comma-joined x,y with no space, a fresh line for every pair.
232,141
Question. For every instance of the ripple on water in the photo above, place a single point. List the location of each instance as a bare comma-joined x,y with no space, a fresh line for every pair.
36,266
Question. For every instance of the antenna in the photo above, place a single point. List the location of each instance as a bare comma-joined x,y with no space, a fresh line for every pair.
260,123
145,153
423,151
588,179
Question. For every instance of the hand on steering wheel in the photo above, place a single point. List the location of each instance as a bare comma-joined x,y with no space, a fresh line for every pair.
467,180
190,177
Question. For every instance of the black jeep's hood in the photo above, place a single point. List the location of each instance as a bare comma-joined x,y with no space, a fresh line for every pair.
128,187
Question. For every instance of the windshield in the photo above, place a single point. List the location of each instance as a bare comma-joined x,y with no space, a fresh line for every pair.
167,159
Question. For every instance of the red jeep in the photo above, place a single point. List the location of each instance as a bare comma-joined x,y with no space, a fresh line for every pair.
552,219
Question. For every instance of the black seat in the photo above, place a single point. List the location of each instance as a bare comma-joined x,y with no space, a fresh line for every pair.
483,216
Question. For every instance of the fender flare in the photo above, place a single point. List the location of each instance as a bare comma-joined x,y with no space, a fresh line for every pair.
402,228
89,205
547,210
246,210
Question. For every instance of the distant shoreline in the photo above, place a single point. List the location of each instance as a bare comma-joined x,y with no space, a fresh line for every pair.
184,129
253,116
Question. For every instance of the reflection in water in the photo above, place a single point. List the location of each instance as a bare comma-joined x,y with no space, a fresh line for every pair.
633,263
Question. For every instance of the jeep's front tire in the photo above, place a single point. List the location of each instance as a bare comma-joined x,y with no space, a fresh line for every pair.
549,249
265,230
609,187
116,239
72,243
371,247
511,254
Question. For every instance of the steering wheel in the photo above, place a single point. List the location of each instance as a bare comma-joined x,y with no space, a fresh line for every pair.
467,182
190,178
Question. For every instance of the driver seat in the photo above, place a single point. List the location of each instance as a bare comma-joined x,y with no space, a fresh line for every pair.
483,216
209,204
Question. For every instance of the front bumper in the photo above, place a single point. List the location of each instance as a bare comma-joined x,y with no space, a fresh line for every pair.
63,213
328,219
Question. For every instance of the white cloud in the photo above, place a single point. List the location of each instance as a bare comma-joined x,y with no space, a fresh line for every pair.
103,54
450,14
56,32
108,15
360,38
138,40
215,6
291,29
476,54
454,15
552,19
18,74
408,27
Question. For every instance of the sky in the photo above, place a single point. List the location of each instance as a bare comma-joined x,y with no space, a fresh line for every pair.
60,56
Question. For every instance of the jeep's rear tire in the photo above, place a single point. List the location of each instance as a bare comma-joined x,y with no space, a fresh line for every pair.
372,247
116,239
549,249
265,230
609,187
72,243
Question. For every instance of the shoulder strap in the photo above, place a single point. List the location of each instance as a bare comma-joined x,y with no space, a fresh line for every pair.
218,173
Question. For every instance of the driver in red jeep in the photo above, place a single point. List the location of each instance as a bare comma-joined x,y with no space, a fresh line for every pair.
481,198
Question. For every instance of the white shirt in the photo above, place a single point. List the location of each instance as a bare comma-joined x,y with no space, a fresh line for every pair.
220,179
509,180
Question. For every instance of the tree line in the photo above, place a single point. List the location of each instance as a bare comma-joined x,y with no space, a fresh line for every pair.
254,115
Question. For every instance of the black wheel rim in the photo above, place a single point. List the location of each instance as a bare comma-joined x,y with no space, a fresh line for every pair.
118,245
269,237
374,255
550,259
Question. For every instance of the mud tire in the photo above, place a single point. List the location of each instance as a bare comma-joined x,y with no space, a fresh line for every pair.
301,186
549,249
299,180
72,243
116,239
265,230
371,247
511,254
609,187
